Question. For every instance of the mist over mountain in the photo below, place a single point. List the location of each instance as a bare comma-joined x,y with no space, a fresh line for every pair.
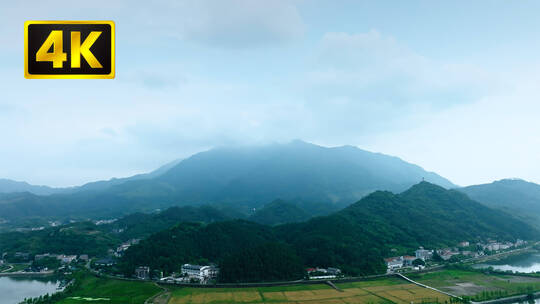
515,196
11,186
240,177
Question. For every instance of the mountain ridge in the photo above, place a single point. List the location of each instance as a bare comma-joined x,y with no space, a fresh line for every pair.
516,196
239,177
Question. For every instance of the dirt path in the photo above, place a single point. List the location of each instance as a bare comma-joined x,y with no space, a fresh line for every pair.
161,298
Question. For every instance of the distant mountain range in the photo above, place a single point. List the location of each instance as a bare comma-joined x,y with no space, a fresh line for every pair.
515,196
11,186
242,178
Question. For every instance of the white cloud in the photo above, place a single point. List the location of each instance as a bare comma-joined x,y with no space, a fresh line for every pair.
240,23
173,97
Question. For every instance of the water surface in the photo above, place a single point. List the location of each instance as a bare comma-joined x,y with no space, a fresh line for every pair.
15,289
525,263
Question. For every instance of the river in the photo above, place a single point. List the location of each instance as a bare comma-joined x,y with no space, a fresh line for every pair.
15,289
537,301
525,263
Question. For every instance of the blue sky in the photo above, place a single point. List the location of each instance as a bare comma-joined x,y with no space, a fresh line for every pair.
451,86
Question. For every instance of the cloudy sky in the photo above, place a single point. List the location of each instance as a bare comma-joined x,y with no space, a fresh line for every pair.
452,87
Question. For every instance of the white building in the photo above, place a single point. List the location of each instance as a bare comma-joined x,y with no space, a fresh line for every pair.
66,259
394,263
423,254
200,273
142,272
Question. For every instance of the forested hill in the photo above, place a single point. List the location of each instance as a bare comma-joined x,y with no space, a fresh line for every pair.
282,212
96,240
355,239
515,196
241,177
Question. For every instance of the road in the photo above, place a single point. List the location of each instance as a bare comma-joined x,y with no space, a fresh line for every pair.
6,270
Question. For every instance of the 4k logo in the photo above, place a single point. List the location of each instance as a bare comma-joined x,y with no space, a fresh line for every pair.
69,49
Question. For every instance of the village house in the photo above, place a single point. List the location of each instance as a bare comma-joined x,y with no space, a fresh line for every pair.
323,273
106,262
394,263
408,260
22,255
38,257
84,257
142,272
66,259
125,246
333,271
423,254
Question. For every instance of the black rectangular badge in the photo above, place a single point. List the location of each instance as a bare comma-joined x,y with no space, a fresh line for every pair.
69,49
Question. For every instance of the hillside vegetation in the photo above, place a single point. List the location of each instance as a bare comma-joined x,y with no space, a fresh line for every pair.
514,196
354,239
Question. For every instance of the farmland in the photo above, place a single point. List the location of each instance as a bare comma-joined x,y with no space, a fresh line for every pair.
474,284
378,291
478,285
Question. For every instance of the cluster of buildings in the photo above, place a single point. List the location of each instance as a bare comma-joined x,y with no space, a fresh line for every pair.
463,249
323,273
64,259
398,262
496,246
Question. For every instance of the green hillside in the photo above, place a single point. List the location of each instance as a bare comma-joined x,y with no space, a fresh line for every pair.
282,212
86,237
354,239
515,196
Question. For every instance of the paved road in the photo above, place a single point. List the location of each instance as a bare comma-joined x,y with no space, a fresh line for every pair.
6,270
428,287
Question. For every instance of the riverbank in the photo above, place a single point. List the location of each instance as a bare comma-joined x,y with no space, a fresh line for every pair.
16,289
514,299
26,274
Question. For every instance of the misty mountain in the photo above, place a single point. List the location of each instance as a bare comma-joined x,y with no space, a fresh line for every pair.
102,185
291,171
242,177
515,196
11,186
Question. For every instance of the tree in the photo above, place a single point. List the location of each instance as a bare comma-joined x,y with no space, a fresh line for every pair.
419,262
437,257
